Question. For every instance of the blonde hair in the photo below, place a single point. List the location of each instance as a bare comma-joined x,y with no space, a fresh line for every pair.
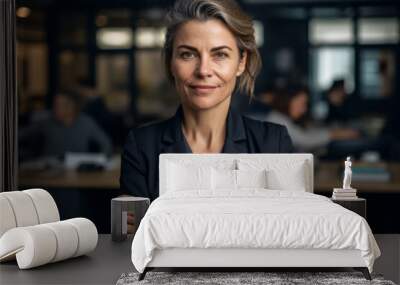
235,19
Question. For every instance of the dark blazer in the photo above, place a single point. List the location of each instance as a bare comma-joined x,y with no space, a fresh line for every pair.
139,165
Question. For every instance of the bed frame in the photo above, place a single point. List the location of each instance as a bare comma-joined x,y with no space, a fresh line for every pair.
248,259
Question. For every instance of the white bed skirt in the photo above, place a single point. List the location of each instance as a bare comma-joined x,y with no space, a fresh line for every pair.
194,257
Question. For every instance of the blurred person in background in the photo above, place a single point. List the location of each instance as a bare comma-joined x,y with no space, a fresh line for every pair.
341,106
290,108
66,130
93,105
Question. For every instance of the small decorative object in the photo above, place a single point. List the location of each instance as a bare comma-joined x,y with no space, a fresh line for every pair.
347,174
347,192
121,209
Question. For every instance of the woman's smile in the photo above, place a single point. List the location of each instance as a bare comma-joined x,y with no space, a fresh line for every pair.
203,88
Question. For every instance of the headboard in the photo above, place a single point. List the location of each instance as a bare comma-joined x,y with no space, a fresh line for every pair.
277,162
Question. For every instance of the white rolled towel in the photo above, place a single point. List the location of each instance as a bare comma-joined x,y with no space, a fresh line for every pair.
67,240
33,246
7,218
45,205
26,208
23,208
87,235
40,244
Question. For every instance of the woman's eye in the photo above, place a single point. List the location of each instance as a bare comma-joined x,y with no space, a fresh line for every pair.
186,55
221,55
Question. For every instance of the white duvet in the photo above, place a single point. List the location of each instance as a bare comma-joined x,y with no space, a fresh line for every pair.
252,218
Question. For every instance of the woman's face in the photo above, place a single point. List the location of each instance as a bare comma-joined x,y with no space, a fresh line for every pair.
298,105
205,63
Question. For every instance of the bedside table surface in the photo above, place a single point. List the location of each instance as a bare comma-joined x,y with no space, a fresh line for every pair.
349,200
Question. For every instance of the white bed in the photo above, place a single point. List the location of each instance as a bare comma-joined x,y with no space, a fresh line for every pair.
247,210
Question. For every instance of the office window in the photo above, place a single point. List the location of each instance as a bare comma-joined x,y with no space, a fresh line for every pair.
114,38
156,96
150,37
259,32
112,73
377,73
378,30
114,29
331,31
328,64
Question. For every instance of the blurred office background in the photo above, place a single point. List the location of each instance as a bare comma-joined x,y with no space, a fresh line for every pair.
337,60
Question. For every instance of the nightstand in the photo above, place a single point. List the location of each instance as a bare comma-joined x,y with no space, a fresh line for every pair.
358,205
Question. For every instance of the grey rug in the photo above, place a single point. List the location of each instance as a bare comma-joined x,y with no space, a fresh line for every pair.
268,278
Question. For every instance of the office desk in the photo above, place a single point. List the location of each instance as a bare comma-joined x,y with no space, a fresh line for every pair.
107,179
102,266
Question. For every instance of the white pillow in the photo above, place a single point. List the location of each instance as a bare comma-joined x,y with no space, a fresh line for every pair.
181,177
235,179
280,174
223,179
293,181
251,178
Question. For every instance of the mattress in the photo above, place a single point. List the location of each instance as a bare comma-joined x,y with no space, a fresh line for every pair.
250,218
